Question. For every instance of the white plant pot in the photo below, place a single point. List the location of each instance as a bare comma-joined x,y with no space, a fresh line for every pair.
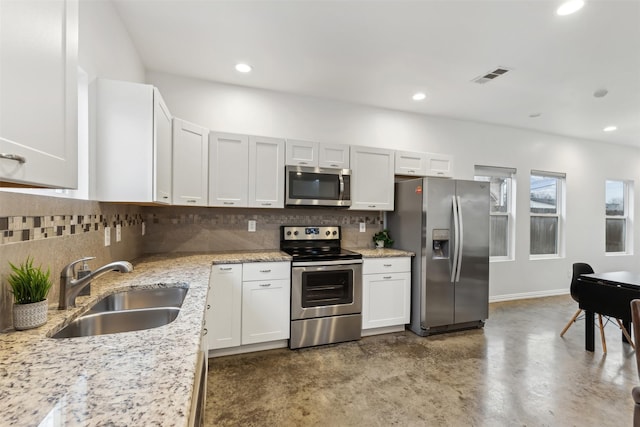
28,316
379,244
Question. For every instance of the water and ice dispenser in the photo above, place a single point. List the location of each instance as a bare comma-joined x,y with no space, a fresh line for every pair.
440,239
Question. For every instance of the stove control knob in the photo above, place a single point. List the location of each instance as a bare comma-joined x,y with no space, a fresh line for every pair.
288,233
335,232
327,233
295,233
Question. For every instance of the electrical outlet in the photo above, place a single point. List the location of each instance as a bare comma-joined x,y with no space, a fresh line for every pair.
252,225
363,227
107,236
118,232
143,228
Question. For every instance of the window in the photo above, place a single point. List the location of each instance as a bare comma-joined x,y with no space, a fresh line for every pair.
545,208
617,217
501,226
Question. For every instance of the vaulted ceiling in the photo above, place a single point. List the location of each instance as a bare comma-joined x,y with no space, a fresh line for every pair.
380,53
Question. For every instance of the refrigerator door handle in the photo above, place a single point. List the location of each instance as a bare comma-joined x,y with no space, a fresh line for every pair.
460,239
454,268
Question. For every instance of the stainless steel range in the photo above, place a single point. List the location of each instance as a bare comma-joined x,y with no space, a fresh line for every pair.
326,286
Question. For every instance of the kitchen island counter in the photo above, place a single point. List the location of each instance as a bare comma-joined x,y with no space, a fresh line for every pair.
135,378
381,253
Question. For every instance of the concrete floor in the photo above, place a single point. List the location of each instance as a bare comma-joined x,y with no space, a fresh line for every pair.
516,371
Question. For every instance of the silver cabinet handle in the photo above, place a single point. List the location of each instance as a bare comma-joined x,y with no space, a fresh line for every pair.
387,277
265,271
266,204
387,265
334,166
265,285
205,331
15,157
225,268
303,163
371,206
208,306
228,203
191,201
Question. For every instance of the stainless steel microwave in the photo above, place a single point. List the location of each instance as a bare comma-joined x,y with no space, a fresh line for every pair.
307,186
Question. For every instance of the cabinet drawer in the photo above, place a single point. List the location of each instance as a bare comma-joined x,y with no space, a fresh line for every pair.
226,269
266,270
386,265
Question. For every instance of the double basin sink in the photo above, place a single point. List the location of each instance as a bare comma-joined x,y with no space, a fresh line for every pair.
126,311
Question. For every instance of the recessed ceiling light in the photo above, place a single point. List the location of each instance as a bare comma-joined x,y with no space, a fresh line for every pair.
600,93
535,115
243,68
569,7
419,96
610,128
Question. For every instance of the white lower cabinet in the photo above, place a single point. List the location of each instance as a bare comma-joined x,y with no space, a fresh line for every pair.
386,292
224,306
248,304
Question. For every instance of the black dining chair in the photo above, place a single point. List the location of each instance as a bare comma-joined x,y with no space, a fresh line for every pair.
635,392
580,268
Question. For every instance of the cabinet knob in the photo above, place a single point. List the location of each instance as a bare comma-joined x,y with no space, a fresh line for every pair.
15,157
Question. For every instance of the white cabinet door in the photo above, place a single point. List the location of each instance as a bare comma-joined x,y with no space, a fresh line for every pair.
162,154
440,165
301,153
228,169
333,156
224,306
265,311
38,93
385,299
190,164
372,178
131,154
266,172
410,163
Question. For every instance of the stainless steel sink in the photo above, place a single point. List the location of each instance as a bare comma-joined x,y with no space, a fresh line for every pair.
140,298
127,311
111,322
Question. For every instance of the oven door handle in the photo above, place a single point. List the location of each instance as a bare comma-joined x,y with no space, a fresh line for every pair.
325,263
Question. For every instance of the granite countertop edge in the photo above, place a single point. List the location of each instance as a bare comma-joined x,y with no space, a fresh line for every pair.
382,252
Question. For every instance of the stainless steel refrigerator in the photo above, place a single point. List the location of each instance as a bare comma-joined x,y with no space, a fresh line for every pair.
446,223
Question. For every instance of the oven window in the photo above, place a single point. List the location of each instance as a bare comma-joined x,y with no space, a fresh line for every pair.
314,186
323,288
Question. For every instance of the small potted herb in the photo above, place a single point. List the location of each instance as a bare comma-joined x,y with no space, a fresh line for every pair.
382,239
30,287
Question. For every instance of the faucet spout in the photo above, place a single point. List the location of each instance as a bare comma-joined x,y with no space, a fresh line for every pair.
70,287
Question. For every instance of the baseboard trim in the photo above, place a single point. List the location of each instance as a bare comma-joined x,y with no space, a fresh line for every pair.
527,295
382,330
248,348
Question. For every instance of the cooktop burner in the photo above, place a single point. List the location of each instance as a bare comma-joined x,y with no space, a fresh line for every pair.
314,243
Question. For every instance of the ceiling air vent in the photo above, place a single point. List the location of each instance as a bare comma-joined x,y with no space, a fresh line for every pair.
490,75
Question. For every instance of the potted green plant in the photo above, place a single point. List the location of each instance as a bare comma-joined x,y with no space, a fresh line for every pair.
30,286
382,239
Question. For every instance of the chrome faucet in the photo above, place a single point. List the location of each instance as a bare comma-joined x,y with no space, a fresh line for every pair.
70,287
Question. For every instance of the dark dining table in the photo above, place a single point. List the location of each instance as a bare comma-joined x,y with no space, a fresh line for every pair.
609,294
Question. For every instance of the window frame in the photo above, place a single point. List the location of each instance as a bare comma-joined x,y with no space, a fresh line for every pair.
488,172
627,216
561,184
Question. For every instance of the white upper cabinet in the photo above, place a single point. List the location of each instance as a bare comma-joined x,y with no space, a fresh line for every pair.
266,172
333,156
301,153
439,165
38,93
372,178
131,155
411,163
190,163
228,169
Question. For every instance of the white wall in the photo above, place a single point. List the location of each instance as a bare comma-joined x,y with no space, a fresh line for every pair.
587,163
105,48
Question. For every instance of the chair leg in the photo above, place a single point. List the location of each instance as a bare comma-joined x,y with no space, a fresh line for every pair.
625,332
604,342
573,319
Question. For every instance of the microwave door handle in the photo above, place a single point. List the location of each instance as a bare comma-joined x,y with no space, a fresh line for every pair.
341,186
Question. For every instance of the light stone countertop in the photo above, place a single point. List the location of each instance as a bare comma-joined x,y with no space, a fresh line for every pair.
135,378
381,253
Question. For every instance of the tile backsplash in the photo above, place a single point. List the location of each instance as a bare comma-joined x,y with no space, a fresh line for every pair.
55,231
